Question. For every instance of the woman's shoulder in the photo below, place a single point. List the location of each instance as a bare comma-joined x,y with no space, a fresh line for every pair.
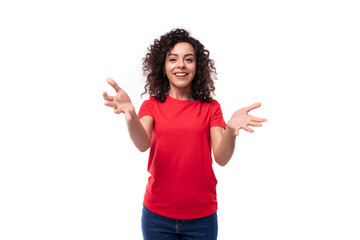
150,100
214,106
214,103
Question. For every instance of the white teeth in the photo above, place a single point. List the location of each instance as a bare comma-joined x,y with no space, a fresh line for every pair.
180,74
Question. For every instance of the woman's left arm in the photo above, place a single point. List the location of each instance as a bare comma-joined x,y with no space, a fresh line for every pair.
223,142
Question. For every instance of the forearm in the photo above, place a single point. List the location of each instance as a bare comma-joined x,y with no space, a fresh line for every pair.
137,132
226,147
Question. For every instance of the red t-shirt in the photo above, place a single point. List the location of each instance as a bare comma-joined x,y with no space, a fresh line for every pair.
182,184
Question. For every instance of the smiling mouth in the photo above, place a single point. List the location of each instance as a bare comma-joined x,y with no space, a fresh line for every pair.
181,74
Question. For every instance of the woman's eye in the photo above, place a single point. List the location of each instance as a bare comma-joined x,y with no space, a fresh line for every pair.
189,60
172,60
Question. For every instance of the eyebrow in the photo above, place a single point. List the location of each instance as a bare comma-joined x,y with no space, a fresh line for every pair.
186,55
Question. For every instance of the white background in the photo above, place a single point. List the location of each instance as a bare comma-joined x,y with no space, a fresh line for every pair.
68,169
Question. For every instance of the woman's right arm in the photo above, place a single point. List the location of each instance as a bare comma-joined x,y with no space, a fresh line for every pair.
140,130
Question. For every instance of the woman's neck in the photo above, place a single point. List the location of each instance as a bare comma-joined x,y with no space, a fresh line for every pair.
181,95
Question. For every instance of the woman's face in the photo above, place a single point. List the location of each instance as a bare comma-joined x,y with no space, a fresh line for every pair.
180,65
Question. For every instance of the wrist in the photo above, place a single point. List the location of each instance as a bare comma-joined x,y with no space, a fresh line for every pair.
230,125
131,110
230,128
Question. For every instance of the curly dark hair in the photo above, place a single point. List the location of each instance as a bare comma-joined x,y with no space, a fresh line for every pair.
157,85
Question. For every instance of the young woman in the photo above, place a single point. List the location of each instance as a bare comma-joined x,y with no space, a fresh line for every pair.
181,124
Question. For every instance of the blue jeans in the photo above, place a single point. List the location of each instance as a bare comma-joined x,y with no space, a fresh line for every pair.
156,227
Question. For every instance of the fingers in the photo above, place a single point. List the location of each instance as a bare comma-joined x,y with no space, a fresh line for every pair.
256,119
127,114
253,106
113,84
117,111
107,97
113,105
246,128
110,104
255,124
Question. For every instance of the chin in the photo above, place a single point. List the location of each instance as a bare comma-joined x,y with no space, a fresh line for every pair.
181,86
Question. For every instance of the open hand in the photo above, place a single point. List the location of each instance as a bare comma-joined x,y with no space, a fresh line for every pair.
242,119
121,102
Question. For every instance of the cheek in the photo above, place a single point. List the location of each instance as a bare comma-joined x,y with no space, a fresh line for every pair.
194,69
168,67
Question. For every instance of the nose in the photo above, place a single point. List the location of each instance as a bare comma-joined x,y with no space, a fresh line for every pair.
181,64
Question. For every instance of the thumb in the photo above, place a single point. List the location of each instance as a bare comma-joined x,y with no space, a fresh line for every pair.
237,131
117,111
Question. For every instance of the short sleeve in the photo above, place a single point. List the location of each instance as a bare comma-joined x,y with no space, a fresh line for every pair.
217,119
146,109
